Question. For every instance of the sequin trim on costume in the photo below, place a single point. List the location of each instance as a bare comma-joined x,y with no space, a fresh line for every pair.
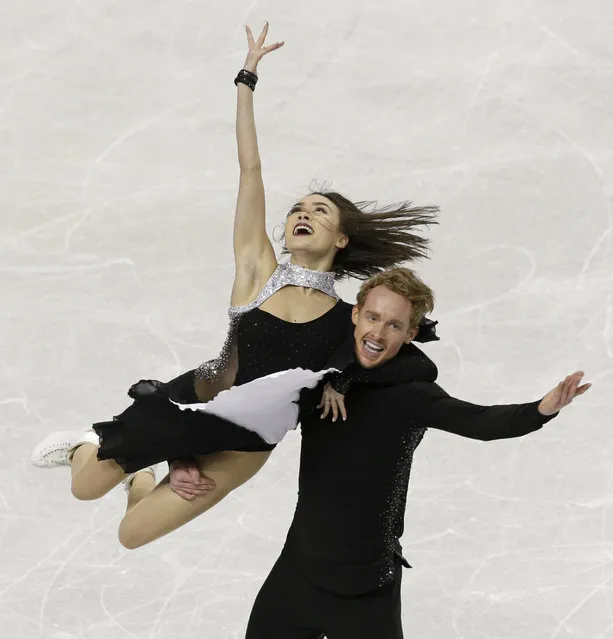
287,274
396,502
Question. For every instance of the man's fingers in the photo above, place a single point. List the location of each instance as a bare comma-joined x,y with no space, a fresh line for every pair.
202,491
197,478
334,410
571,388
567,386
582,389
179,476
184,495
193,484
183,485
341,404
191,479
183,477
192,490
573,385
197,486
194,474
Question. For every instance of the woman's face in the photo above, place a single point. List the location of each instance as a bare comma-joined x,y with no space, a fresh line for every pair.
313,225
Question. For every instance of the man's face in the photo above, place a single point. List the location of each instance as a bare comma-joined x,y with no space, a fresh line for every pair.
382,326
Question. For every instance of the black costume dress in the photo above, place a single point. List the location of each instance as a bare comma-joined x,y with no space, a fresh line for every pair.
168,421
154,429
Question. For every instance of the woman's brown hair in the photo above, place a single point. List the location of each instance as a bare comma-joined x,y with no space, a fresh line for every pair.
379,238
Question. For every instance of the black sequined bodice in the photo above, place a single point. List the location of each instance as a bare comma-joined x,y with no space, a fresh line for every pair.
267,344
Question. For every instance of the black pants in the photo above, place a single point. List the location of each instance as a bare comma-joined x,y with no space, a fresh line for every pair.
289,606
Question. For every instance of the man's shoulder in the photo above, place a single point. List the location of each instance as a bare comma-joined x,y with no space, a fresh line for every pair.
416,389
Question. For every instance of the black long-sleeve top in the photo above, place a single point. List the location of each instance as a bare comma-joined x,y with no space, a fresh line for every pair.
354,476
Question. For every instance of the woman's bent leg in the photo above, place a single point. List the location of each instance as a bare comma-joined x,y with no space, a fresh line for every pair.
142,484
163,511
91,479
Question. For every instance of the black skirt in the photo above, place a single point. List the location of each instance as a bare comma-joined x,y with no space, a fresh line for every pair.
153,429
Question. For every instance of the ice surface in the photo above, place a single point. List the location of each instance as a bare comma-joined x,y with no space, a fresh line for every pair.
118,180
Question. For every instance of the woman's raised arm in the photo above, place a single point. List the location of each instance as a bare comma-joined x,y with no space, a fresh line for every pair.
253,252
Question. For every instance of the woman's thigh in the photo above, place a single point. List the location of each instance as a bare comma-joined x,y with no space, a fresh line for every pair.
163,511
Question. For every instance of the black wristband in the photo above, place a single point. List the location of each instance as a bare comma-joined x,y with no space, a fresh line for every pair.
246,77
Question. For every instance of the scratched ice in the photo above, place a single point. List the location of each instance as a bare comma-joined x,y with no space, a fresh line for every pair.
118,173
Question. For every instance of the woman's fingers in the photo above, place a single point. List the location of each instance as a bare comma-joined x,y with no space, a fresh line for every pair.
334,405
325,401
333,408
273,47
326,409
257,47
263,35
250,39
339,407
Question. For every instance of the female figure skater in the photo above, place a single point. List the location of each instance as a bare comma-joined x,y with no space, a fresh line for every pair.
282,317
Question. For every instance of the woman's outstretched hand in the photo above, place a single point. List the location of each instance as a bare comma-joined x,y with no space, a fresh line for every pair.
257,49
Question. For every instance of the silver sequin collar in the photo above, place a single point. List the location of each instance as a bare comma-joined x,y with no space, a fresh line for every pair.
289,274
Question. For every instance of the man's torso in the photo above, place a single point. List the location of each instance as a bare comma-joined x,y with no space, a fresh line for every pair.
352,491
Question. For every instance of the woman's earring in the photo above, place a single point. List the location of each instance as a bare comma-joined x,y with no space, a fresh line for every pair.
280,228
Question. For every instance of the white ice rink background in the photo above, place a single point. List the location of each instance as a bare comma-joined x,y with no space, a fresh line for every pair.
118,177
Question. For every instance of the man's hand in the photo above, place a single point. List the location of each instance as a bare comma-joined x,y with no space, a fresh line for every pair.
332,401
563,394
187,481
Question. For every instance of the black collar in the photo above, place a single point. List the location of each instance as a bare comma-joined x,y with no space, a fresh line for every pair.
344,354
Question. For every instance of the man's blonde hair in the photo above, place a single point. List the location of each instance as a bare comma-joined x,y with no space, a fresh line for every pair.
404,282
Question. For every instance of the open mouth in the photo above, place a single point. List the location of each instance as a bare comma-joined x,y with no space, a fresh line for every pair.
303,229
372,348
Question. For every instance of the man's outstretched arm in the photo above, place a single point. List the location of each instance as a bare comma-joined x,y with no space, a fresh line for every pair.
429,405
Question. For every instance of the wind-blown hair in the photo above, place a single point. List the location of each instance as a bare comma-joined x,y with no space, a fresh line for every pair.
379,238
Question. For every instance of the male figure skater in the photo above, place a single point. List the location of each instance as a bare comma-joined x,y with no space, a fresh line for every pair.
339,573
